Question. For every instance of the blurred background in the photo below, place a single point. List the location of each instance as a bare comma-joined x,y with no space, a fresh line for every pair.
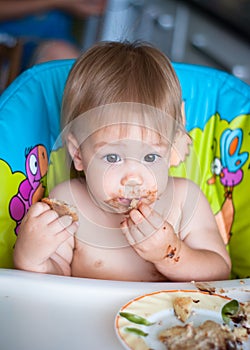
213,33
208,32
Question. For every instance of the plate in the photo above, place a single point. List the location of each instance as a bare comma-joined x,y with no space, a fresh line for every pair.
139,322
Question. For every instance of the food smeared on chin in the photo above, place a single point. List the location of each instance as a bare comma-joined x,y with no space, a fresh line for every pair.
62,208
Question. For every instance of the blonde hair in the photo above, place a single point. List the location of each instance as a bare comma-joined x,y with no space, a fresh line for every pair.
113,72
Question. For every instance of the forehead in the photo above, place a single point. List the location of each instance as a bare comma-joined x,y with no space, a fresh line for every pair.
123,132
124,120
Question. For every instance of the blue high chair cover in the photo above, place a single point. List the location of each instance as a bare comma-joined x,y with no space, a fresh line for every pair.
217,117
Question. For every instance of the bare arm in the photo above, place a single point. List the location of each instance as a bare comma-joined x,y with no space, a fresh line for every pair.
14,9
195,264
201,255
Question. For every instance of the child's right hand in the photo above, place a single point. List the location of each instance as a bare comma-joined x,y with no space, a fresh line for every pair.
40,235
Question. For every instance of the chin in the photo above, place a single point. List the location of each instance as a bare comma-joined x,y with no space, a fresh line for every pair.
113,206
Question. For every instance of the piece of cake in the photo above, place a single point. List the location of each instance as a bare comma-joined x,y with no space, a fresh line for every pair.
62,208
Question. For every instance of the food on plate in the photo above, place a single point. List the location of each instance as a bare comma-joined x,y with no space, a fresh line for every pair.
242,317
209,335
62,208
182,307
184,320
246,310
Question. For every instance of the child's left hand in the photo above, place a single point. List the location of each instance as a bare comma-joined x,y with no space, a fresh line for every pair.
150,235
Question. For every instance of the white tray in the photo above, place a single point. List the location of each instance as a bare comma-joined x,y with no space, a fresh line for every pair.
45,312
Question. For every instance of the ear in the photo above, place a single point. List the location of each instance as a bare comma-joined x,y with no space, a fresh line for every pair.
180,147
74,151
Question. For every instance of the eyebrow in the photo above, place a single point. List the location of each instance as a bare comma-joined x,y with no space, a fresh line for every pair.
101,144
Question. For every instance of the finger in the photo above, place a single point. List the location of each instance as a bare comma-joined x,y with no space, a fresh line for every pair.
65,221
126,231
49,216
137,235
65,234
60,224
37,209
142,224
72,229
61,237
41,211
133,234
151,215
124,223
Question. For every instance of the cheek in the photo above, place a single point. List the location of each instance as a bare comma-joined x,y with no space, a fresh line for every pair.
162,183
161,176
94,179
101,180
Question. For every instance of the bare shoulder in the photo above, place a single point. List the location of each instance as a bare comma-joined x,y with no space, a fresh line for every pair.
185,189
189,194
67,190
196,210
183,183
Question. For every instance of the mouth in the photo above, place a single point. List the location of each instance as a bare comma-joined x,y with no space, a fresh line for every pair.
125,204
130,203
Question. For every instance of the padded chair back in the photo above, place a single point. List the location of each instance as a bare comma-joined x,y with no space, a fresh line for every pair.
217,109
217,112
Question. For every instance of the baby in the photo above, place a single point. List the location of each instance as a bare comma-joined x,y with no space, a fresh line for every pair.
122,126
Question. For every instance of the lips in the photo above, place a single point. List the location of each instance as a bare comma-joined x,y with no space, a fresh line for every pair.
127,201
124,204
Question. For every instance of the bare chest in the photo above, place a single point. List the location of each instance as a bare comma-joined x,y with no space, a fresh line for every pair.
112,264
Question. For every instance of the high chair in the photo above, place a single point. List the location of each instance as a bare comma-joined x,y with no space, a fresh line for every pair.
216,109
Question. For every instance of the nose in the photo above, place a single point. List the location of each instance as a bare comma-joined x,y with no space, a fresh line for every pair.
131,185
131,180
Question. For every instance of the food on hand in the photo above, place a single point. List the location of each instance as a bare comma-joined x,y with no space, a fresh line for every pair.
62,208
134,204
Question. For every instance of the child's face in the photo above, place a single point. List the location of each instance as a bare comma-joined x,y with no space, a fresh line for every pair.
125,163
